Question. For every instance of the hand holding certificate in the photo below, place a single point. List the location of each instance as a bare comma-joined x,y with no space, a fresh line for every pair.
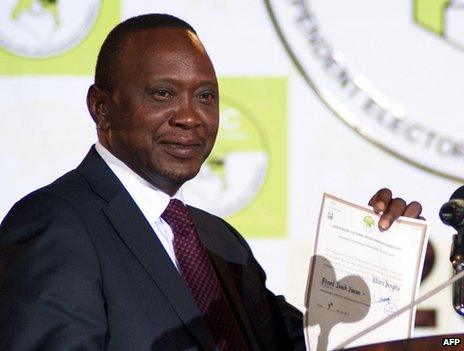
360,275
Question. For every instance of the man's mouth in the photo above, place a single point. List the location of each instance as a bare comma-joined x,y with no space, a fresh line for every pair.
182,148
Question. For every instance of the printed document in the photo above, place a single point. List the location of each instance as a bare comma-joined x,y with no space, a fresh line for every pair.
360,275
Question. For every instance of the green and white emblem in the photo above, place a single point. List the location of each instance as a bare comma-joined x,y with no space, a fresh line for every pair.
245,177
442,17
45,28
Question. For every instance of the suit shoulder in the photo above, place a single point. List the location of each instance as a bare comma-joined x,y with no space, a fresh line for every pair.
57,195
43,208
66,186
61,187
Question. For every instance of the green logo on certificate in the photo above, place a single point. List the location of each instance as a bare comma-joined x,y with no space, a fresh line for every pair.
368,223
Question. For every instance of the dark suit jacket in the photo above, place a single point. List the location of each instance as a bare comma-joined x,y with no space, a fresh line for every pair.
81,269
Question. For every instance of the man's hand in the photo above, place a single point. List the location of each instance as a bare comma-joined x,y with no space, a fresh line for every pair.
391,209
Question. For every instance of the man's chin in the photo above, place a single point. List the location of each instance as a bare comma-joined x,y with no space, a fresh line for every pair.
179,178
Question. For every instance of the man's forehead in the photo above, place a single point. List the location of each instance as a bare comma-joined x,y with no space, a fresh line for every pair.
163,39
162,53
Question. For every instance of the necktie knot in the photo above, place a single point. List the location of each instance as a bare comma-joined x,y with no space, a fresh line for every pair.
177,215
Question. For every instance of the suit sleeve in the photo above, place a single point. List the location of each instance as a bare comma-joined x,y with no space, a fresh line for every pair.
287,319
50,282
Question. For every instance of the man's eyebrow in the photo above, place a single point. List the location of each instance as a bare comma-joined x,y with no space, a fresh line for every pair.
214,84
174,81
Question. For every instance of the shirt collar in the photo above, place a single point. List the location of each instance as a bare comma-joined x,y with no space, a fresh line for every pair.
151,200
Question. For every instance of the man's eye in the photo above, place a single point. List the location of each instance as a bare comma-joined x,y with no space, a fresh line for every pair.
162,94
206,96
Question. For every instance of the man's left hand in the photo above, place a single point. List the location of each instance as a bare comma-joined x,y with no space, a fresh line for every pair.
390,209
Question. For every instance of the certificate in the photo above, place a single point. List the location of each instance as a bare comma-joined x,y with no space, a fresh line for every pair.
360,275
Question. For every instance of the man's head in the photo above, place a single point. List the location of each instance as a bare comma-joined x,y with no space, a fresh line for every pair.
155,99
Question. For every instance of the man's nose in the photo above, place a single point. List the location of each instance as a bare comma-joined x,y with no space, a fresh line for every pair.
185,116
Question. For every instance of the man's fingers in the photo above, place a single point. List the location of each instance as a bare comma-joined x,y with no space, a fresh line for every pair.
381,200
391,209
395,209
413,210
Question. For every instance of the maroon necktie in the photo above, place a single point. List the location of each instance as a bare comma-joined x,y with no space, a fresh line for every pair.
198,273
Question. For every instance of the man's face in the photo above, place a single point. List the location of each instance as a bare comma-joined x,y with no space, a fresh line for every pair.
163,111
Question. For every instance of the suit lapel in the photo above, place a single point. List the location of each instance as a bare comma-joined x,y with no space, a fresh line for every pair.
228,284
135,231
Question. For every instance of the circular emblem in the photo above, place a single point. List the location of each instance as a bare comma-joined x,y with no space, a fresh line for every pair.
45,28
235,171
389,69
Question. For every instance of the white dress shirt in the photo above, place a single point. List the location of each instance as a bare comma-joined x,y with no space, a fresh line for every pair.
150,200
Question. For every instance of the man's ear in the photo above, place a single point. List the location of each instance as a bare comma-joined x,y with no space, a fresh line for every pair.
97,104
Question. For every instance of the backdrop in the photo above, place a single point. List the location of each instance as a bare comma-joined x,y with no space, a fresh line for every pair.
334,96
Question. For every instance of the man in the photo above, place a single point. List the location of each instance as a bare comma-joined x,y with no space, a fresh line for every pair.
107,257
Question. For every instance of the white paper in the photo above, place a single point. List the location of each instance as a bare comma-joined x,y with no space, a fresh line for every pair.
360,275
